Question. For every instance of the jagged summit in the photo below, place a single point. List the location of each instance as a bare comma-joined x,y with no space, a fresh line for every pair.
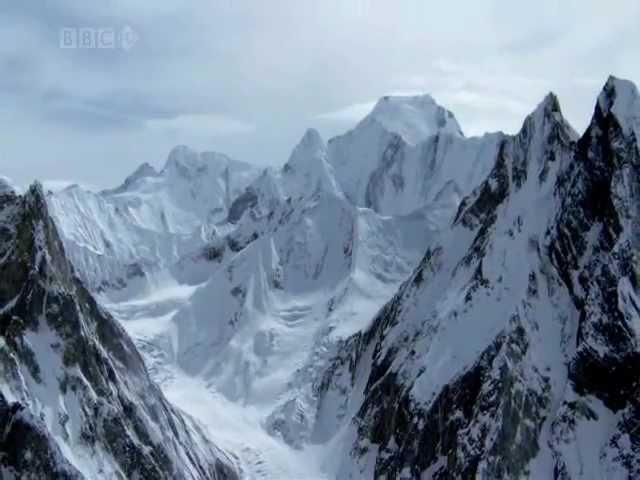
401,155
187,162
548,107
414,118
145,170
312,137
311,146
621,98
76,399
548,113
117,236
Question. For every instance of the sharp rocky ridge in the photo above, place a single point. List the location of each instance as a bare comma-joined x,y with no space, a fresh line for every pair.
512,350
75,397
399,302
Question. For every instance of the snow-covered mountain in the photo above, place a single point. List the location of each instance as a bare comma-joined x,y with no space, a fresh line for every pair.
400,302
512,351
300,260
407,152
75,398
151,220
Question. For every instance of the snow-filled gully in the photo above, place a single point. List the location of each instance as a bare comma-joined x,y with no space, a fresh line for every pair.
232,425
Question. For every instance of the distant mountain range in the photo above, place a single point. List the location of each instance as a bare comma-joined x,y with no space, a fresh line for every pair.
399,302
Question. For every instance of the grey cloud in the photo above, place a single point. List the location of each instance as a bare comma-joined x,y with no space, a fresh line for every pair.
248,77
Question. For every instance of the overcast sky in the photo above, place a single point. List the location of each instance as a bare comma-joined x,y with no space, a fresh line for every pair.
248,77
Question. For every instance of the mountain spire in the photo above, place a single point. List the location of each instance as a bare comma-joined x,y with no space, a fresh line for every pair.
621,99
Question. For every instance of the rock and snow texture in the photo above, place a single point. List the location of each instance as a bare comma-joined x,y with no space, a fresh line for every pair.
512,351
75,398
402,301
117,236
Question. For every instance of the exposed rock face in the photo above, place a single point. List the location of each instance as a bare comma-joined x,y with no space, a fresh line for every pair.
75,397
513,349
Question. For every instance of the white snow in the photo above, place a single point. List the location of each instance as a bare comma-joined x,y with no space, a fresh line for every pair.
414,118
241,345
404,153
150,221
625,106
242,342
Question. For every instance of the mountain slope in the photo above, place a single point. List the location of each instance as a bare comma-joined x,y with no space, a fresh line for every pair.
512,350
298,268
117,236
311,310
75,397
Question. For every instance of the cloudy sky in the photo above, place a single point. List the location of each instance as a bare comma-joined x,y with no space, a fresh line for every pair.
247,77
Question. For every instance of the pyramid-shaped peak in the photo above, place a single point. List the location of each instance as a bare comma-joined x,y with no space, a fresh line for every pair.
549,104
546,114
414,118
312,139
617,90
621,98
144,170
547,110
310,148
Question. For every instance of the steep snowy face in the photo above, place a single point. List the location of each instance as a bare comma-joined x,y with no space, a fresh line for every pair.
75,397
193,188
117,236
143,171
413,118
512,350
307,170
305,175
299,269
404,153
621,98
594,246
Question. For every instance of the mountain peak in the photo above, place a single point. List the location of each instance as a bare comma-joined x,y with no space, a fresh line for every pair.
184,159
143,171
184,162
414,118
547,114
180,155
312,139
548,110
549,104
35,194
621,98
310,148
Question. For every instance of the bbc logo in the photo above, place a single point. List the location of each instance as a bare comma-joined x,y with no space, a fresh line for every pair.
98,38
